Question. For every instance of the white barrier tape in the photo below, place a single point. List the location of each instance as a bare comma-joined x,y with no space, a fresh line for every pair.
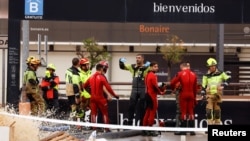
106,125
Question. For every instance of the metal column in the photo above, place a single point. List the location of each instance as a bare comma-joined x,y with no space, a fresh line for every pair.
220,47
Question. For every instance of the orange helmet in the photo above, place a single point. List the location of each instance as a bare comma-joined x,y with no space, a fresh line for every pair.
84,61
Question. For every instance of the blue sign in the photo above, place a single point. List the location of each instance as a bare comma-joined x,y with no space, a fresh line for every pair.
34,7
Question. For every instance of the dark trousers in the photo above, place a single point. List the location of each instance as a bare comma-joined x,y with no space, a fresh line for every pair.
137,106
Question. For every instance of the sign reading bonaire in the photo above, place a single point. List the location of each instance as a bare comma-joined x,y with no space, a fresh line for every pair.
3,41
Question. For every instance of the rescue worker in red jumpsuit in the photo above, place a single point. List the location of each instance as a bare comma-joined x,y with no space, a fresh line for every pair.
187,96
97,82
152,89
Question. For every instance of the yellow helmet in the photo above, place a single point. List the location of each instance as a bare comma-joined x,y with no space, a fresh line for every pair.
211,62
29,59
51,66
35,61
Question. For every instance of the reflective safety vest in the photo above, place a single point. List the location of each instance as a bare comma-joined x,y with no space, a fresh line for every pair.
30,75
45,83
72,77
138,73
212,81
84,77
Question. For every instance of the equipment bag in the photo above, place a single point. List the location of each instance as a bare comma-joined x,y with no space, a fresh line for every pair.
24,105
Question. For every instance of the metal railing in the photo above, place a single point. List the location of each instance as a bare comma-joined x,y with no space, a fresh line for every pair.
123,89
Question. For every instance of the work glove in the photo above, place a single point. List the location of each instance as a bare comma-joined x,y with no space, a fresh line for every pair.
146,64
33,82
52,83
77,95
122,60
224,84
46,88
228,73
203,92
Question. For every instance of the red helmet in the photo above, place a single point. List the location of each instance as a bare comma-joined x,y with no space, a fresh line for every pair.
84,61
104,64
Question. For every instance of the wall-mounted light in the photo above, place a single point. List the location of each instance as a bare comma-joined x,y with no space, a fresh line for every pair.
211,49
51,47
238,49
105,48
78,48
158,49
131,48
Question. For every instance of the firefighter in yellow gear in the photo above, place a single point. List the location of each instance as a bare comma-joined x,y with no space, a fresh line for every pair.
213,83
73,85
85,73
32,88
50,85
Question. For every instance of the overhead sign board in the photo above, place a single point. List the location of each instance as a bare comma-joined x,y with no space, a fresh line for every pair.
33,9
171,11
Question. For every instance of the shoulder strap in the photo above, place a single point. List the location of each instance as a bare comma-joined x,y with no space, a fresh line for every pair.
134,68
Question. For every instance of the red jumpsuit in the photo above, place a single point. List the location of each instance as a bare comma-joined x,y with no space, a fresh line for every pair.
152,89
97,99
187,97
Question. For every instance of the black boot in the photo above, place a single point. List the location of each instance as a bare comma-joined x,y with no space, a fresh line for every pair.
177,133
191,125
178,123
184,125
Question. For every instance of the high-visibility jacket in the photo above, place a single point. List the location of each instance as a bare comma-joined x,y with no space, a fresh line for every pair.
212,81
84,77
73,81
30,81
138,74
46,86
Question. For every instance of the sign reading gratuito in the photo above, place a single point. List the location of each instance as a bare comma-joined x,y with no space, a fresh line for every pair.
216,132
